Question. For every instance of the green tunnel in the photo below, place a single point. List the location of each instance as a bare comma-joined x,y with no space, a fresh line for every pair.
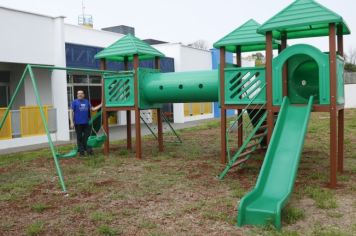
180,87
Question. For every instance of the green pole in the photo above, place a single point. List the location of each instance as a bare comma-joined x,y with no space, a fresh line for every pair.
13,97
39,103
75,69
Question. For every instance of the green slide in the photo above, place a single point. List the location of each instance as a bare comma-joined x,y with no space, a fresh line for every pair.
275,183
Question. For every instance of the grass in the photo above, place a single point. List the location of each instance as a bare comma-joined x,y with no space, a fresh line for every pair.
35,229
324,198
328,231
108,231
39,207
101,216
291,215
147,224
174,192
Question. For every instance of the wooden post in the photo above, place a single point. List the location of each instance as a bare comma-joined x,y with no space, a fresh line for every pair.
128,114
222,104
285,66
159,117
239,111
103,109
333,106
341,119
137,110
269,57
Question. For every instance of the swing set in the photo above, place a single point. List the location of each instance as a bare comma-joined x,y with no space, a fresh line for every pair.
97,137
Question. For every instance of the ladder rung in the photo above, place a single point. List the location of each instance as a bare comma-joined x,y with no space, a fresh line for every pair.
252,145
258,136
246,153
263,127
239,162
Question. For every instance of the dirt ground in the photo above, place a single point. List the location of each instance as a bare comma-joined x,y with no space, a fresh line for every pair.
172,193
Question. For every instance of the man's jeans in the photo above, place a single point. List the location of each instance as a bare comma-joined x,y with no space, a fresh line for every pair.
83,132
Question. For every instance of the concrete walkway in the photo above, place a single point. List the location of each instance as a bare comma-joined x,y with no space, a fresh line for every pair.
116,133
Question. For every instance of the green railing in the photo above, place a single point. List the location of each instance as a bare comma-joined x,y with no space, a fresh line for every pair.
245,84
119,90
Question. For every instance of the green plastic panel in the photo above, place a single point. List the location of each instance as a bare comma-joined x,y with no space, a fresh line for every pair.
301,19
308,75
263,205
245,84
179,87
119,90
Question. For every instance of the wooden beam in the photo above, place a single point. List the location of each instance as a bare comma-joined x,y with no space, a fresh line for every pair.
128,113
240,132
104,110
137,110
222,103
341,112
159,117
340,40
333,107
269,57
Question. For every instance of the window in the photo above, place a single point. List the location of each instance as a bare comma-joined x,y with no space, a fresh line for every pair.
94,79
80,79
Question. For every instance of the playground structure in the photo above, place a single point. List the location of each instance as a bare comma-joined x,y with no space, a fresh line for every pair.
278,98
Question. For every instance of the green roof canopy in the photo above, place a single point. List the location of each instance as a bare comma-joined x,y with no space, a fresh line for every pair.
246,37
128,46
301,19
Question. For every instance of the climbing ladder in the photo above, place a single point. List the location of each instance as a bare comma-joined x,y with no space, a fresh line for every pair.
255,129
146,117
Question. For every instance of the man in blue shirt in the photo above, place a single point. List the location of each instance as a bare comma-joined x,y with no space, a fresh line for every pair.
79,116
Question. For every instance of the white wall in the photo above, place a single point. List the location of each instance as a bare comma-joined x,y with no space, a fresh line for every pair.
350,95
43,79
91,37
186,59
26,37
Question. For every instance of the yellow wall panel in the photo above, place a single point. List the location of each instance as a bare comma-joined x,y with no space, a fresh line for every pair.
31,122
6,130
187,108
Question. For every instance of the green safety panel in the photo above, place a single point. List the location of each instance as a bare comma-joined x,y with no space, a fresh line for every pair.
119,90
308,75
245,85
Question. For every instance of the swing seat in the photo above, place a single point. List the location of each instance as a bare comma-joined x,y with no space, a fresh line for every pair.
96,140
70,154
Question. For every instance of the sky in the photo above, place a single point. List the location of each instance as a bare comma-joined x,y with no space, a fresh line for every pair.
182,20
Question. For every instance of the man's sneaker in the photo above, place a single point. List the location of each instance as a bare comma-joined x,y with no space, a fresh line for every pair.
81,154
90,152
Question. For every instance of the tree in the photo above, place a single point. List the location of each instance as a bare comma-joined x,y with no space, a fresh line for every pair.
351,56
350,59
200,44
